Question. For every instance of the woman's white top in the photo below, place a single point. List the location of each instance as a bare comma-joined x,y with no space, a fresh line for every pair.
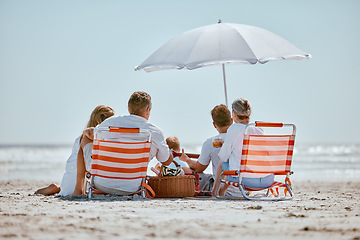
231,150
69,178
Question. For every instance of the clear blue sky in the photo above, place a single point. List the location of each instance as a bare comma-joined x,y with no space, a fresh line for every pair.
60,59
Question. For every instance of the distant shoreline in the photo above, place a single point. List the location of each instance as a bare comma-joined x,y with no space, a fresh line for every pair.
25,145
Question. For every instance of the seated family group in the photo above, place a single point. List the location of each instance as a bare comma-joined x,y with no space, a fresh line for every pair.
226,155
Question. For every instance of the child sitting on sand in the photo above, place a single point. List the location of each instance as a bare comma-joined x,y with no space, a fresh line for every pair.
174,145
98,115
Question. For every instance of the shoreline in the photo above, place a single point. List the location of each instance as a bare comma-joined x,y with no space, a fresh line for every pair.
319,210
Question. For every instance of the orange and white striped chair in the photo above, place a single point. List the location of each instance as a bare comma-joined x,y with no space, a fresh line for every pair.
265,154
120,153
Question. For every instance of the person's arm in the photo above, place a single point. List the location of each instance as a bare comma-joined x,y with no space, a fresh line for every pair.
216,180
159,148
89,133
80,176
195,165
224,187
169,161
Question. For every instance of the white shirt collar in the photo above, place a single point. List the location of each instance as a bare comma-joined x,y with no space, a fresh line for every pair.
137,118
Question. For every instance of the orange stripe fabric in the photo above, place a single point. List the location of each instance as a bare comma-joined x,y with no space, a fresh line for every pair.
120,150
124,178
268,124
265,172
267,154
265,163
235,184
274,185
120,160
124,130
124,143
284,142
123,170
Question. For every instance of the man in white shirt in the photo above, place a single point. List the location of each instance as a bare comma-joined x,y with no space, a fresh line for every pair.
139,107
210,149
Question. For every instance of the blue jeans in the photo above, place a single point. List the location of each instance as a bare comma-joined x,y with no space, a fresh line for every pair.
262,182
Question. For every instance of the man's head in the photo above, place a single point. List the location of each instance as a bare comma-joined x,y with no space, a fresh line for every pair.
173,143
221,116
140,104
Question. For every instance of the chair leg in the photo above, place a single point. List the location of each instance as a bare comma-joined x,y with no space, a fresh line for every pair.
90,193
90,185
143,193
267,193
243,192
142,188
289,188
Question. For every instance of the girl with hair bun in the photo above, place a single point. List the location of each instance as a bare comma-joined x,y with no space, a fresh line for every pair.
231,151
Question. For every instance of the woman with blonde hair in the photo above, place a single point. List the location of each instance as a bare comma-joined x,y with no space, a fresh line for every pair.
98,115
231,150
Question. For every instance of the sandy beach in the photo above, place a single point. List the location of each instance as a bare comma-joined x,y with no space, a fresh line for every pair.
319,211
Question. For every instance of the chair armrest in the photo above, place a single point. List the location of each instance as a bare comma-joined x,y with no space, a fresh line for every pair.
233,172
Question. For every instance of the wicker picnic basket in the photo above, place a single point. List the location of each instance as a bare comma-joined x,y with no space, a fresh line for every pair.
172,186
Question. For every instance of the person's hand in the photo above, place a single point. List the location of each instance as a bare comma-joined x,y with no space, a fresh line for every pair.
183,157
89,133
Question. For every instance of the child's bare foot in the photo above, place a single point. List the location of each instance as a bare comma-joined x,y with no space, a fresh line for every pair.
49,190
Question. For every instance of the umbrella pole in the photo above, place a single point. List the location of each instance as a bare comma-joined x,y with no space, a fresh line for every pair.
226,99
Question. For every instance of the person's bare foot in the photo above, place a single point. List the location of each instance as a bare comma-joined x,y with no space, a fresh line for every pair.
49,190
77,192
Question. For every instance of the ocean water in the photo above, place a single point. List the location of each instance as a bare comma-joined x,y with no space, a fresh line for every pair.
319,162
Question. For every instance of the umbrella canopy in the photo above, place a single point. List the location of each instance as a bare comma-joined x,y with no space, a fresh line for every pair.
221,43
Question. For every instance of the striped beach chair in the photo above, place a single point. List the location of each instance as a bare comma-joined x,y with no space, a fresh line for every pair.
265,154
120,153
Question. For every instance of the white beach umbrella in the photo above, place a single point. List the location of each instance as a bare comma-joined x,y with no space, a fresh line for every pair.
220,44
